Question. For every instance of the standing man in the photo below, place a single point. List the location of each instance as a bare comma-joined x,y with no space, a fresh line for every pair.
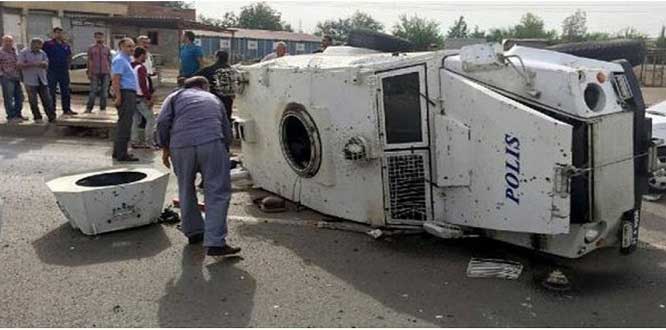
60,56
33,63
99,68
191,56
195,136
123,83
280,50
144,102
144,42
326,41
11,84
220,76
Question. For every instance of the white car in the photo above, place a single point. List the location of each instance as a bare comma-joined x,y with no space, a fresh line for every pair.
657,113
78,77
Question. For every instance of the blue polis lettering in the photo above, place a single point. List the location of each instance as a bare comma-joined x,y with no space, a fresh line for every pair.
512,175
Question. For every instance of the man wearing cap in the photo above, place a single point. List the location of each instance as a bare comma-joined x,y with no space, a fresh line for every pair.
60,56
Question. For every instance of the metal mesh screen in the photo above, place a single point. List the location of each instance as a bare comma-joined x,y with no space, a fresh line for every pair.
407,187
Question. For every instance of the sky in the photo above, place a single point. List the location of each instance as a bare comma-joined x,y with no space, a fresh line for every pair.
606,16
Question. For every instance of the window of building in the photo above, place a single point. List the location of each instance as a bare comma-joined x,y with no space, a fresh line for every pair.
300,47
251,44
154,39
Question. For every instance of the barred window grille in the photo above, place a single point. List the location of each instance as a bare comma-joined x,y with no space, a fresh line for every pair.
407,187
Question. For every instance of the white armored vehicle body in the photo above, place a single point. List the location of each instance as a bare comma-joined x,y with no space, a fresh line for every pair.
532,147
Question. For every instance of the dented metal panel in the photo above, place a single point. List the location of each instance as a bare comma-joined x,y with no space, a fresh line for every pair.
516,153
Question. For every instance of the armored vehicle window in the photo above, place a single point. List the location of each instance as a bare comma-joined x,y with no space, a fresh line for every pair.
402,108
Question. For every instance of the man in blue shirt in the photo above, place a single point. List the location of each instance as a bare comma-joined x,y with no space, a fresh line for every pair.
60,56
123,83
191,56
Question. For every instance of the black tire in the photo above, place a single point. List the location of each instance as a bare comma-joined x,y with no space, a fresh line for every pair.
378,41
631,50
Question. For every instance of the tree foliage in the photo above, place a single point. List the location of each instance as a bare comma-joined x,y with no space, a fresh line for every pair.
261,16
339,28
530,27
423,33
458,30
661,41
477,34
229,20
177,4
629,33
574,27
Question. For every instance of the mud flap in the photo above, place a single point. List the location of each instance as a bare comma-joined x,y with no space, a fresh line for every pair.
629,232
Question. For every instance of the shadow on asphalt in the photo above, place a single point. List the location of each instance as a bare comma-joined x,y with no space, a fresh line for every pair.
67,246
425,277
11,153
222,299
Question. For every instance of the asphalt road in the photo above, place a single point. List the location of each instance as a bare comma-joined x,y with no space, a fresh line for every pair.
290,274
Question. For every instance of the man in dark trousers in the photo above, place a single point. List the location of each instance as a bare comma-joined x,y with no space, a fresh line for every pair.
124,84
60,56
220,76
194,135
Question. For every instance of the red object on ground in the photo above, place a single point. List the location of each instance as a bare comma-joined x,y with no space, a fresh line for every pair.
176,203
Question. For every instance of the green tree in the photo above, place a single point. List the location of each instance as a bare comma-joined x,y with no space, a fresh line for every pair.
177,4
477,34
629,33
228,20
574,27
422,32
458,30
339,28
497,35
531,26
661,41
261,16
597,36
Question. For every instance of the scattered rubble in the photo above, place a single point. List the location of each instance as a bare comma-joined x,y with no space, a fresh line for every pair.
557,281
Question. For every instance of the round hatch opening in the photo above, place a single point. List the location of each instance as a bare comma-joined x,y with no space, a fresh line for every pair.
111,179
595,99
299,139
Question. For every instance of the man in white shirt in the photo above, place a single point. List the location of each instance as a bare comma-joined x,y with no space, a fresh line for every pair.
280,50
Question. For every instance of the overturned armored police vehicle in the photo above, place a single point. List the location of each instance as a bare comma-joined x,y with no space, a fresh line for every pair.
529,146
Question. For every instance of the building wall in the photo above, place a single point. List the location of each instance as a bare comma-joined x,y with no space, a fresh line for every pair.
143,9
168,45
242,49
97,7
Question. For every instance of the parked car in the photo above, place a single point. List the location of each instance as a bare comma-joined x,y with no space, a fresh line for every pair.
78,77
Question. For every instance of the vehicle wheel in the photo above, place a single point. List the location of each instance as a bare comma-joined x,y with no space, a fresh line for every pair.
631,50
378,41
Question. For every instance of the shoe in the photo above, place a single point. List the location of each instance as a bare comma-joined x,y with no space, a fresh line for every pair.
22,118
38,120
195,239
52,119
139,146
88,111
14,121
128,158
102,109
222,250
72,112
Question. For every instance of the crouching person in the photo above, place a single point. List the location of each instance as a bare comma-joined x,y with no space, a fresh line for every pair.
195,136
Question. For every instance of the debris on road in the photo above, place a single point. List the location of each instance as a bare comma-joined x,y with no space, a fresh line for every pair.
169,216
375,233
272,204
494,268
557,281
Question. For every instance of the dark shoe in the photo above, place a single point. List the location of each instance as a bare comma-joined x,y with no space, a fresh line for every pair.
38,120
88,110
222,251
128,158
52,119
195,239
